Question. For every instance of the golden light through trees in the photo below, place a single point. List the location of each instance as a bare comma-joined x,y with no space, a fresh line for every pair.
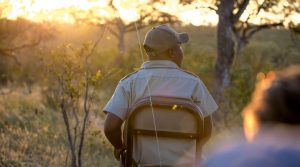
54,10
277,13
197,13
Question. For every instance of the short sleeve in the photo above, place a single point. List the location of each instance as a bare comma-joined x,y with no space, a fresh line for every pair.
203,99
118,103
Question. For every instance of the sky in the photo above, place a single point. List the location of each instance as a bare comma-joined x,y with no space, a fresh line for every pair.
62,11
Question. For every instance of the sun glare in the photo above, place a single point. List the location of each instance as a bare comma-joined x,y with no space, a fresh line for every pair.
128,10
250,125
49,10
63,11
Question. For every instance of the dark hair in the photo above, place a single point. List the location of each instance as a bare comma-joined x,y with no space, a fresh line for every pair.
280,101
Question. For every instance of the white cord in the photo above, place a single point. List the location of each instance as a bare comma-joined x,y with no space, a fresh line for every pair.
149,94
154,123
138,37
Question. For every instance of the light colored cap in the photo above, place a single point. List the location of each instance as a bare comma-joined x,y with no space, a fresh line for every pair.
163,37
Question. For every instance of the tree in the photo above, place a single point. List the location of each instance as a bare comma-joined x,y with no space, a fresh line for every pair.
146,14
233,31
19,34
72,90
15,37
244,30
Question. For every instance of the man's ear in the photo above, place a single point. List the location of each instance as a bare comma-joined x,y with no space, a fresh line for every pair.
171,53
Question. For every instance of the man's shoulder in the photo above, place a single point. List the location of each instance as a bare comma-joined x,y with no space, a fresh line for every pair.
128,76
188,73
180,72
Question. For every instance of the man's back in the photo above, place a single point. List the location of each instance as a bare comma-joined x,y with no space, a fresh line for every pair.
160,78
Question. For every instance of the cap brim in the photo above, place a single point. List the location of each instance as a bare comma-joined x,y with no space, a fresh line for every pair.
183,37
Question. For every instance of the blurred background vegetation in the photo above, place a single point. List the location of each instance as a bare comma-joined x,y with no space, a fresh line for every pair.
47,69
31,128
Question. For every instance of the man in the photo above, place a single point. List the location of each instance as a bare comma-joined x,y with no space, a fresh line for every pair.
161,76
271,124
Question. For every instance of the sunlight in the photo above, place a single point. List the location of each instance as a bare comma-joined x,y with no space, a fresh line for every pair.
128,15
196,13
187,16
127,10
268,16
296,18
45,10
250,125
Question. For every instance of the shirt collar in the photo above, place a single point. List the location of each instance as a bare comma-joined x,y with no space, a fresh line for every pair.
159,64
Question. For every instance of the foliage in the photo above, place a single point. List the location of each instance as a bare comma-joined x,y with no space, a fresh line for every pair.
32,134
28,133
146,14
17,36
72,91
32,129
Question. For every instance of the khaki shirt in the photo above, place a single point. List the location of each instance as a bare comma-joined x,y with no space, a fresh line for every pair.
160,78
163,78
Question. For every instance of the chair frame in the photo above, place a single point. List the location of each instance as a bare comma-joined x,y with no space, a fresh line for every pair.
163,102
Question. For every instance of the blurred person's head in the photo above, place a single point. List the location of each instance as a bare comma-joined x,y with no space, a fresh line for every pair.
163,43
276,100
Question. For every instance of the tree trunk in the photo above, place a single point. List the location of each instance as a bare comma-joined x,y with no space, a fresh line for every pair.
225,56
72,147
121,38
240,42
121,44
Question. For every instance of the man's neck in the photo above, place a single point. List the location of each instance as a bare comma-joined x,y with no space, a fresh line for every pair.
164,58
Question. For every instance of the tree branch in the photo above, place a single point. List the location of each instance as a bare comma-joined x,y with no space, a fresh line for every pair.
260,7
131,26
213,8
113,32
243,33
112,5
254,29
86,114
140,26
24,46
10,54
241,10
86,99
66,121
77,123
